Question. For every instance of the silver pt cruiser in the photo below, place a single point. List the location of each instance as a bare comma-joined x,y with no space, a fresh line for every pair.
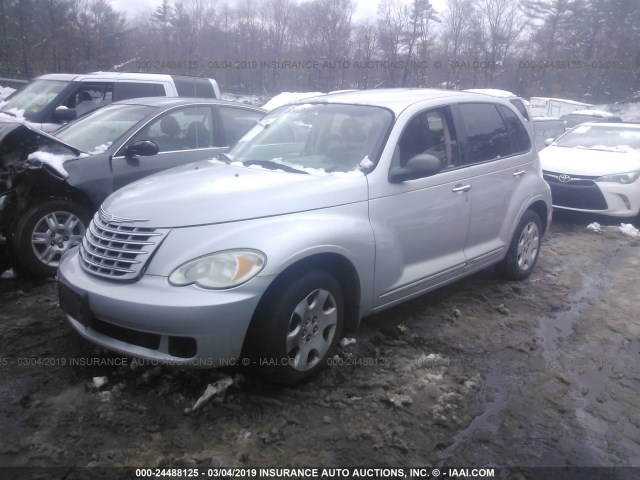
328,210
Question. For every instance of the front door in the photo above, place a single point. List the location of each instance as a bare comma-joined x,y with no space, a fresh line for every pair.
183,135
420,225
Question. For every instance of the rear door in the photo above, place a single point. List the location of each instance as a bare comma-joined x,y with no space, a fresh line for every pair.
496,153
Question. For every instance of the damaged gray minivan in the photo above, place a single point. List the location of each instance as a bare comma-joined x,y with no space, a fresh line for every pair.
325,212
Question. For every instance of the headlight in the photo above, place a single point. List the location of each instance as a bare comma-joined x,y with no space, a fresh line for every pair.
220,270
629,177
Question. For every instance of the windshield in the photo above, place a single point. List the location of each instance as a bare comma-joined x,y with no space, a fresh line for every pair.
98,130
34,98
599,137
316,138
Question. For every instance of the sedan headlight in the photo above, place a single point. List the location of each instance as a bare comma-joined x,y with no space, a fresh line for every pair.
625,178
220,270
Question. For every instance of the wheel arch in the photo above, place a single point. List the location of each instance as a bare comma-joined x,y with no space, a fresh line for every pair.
340,268
542,210
345,274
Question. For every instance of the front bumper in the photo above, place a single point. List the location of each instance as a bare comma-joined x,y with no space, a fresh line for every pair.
587,195
153,320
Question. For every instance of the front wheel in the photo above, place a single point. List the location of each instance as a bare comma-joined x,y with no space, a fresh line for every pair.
297,326
524,248
46,232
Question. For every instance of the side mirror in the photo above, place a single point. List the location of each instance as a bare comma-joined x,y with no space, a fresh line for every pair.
549,141
418,166
142,148
64,114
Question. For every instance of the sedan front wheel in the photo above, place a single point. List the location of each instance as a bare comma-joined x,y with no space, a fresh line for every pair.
46,232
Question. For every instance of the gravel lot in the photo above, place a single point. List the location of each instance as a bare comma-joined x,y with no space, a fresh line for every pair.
481,373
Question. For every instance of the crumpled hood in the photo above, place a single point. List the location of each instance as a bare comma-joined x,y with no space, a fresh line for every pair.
582,161
209,192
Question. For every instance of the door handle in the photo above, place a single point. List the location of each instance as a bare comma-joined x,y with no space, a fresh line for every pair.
519,173
462,188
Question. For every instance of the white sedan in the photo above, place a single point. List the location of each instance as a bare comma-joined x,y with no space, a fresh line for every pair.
595,167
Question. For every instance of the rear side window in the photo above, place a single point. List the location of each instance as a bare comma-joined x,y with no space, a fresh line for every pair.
193,87
520,140
521,108
126,90
487,135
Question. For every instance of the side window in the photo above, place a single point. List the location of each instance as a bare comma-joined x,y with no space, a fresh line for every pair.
126,90
487,136
187,128
90,96
520,107
430,132
236,122
520,140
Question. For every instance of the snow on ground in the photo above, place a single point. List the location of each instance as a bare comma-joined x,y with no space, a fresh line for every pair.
288,97
255,100
630,230
624,228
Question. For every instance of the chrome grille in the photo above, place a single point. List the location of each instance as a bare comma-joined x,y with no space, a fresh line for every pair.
117,251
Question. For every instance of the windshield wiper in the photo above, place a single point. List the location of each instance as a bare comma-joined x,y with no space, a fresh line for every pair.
271,165
224,157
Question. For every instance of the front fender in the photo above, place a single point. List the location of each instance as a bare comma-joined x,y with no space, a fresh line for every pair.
285,239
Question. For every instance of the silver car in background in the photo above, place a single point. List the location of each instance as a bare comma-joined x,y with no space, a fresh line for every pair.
325,212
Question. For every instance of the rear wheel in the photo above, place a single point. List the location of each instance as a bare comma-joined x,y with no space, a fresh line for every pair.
297,327
524,248
45,232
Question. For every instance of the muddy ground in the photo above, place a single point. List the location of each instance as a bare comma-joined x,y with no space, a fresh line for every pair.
483,373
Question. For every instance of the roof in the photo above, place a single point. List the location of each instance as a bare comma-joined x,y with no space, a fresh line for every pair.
395,99
634,126
563,100
591,113
494,92
163,102
113,75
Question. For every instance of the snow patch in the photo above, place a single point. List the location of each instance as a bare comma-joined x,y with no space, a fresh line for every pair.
8,274
99,382
624,228
594,227
5,92
53,160
630,230
288,97
213,389
398,400
346,341
365,164
100,148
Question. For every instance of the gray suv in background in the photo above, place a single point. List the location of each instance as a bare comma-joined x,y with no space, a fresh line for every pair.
325,212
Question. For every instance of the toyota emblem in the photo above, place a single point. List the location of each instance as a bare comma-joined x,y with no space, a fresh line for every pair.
564,178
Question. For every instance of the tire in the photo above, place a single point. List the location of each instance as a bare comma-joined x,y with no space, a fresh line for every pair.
524,249
296,327
47,231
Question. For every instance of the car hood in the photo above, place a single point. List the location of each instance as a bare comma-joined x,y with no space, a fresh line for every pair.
582,161
33,134
19,140
210,192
